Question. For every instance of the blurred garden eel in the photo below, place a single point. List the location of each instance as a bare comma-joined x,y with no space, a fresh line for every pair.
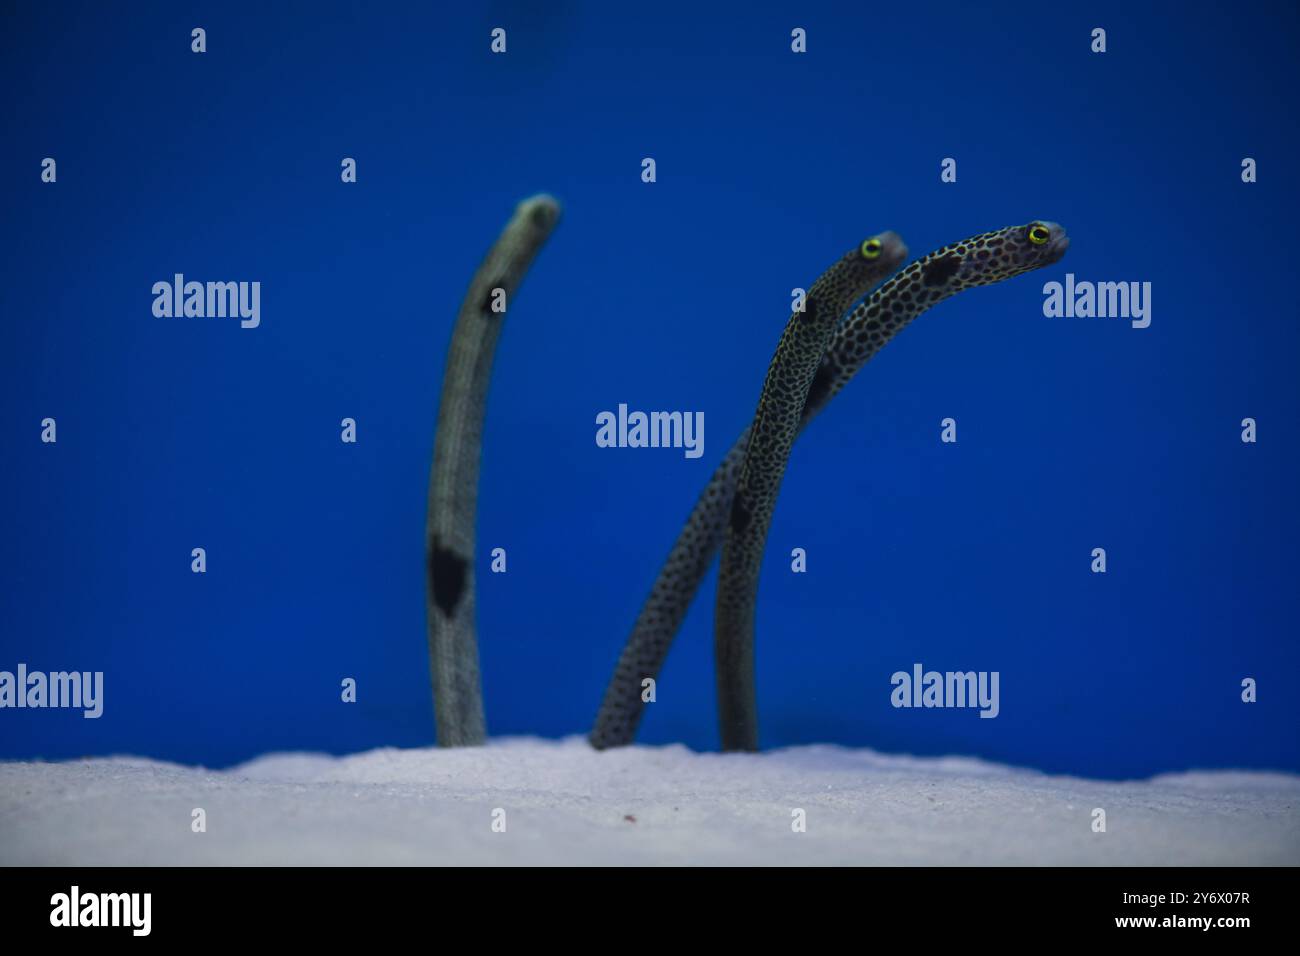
453,482
979,260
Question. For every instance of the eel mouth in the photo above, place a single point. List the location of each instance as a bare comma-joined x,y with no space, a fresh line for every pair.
1057,249
895,250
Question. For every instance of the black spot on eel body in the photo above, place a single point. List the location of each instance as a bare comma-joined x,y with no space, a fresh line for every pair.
446,577
486,307
821,385
941,270
739,513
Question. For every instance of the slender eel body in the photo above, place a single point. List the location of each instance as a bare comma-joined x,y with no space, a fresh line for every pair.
453,482
771,436
979,260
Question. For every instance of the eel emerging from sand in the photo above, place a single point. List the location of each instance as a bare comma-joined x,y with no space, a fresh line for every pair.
771,436
979,260
453,482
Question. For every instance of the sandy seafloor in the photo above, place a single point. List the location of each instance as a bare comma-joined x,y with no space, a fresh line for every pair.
567,804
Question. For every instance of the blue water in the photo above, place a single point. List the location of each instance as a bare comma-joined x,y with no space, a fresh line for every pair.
1072,433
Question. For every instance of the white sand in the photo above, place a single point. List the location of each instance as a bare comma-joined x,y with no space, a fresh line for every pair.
567,804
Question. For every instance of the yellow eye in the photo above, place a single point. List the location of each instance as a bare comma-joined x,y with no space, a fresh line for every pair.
1039,234
871,249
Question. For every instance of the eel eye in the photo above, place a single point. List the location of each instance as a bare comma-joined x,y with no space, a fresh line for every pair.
871,249
1039,234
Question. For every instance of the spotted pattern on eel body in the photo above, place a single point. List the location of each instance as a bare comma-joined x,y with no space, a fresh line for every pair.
980,260
453,479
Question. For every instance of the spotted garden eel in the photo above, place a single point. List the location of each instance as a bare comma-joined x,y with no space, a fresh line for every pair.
771,436
979,260
453,482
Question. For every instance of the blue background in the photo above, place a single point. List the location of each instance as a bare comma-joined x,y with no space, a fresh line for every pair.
1073,433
